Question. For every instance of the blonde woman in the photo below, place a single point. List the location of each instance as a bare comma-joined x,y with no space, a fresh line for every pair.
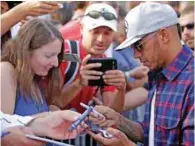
30,74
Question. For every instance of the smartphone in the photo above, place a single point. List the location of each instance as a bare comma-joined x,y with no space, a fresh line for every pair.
107,64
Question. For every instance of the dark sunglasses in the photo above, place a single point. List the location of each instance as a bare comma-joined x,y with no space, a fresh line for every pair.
137,46
188,26
95,15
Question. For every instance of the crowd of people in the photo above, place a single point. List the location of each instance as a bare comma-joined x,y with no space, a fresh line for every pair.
148,100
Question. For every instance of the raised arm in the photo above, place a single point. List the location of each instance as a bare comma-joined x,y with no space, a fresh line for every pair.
115,99
28,8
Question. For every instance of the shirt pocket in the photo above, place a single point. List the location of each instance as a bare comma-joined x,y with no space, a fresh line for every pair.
170,118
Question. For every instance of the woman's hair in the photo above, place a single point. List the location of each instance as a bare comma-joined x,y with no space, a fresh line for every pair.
33,35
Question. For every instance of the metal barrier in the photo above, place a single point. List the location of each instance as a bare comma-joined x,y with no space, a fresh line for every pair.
83,140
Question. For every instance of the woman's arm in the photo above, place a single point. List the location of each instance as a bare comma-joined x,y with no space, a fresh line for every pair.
8,87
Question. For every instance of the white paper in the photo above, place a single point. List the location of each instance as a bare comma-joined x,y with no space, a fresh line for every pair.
46,140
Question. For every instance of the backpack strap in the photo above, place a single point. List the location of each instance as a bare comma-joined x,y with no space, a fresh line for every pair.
73,67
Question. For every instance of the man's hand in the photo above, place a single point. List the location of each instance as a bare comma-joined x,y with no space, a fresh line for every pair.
86,72
37,8
119,138
56,124
139,72
112,118
17,137
115,78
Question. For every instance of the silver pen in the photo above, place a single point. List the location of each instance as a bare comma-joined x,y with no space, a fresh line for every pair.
76,123
99,129
94,111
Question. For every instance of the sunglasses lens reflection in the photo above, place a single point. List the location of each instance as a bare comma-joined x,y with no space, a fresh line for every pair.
95,15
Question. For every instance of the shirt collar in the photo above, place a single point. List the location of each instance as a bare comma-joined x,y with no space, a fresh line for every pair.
177,65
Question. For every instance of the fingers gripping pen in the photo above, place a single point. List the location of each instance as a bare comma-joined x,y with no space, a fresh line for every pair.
94,111
80,119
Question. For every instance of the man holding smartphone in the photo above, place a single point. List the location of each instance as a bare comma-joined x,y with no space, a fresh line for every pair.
98,26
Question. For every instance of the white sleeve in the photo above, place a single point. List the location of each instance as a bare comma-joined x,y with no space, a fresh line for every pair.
8,121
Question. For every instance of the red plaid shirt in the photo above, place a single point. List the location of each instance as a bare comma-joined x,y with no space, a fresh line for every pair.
174,104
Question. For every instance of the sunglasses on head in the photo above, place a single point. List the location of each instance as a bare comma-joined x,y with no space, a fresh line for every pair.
188,26
97,14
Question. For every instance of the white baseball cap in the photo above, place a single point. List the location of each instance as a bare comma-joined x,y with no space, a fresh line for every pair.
146,18
91,23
